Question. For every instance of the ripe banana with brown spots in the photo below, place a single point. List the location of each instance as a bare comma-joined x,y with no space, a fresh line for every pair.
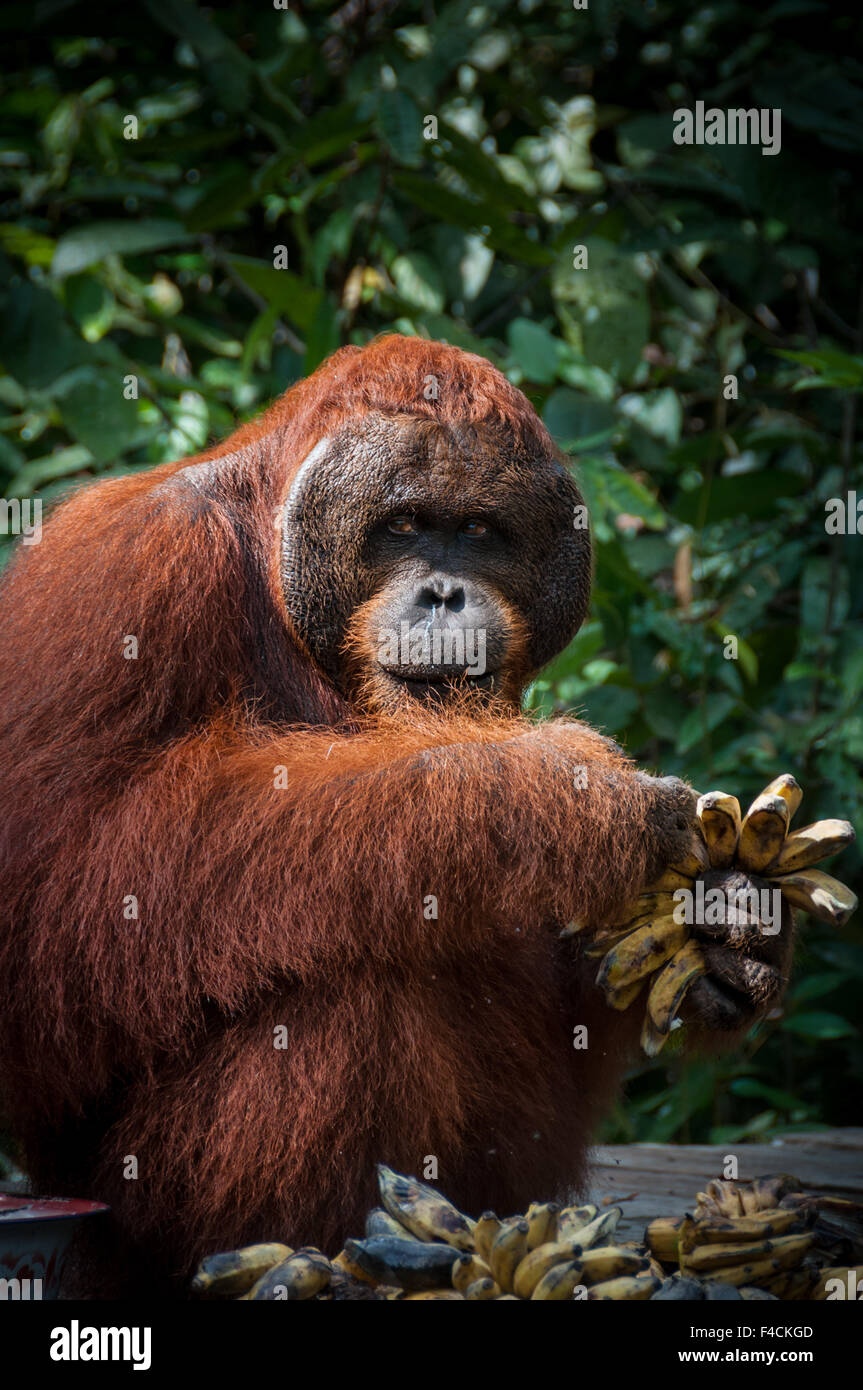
719,817
423,1210
763,832
642,952
820,895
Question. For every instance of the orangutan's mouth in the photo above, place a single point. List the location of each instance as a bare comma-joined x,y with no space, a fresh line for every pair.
438,687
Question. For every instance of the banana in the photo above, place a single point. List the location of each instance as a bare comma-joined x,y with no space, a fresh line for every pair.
792,1285
423,1210
593,1232
671,984
652,1040
642,952
758,1272
731,1198
380,1223
537,1263
719,816
235,1271
649,908
763,832
409,1264
686,1239
348,1265
628,1288
670,881
625,995
764,1226
541,1218
661,1238
484,1233
788,788
558,1283
301,1276
768,1191
819,894
787,1249
811,844
600,944
507,1251
467,1270
572,1219
481,1291
611,1262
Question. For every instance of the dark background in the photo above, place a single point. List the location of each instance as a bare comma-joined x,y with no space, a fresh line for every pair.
261,128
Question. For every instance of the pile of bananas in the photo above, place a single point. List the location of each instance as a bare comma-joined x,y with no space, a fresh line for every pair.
757,1236
759,1239
651,945
419,1246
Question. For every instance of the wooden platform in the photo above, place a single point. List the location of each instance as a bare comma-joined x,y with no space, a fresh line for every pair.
650,1180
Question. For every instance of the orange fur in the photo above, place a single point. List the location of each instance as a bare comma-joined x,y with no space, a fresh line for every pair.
302,906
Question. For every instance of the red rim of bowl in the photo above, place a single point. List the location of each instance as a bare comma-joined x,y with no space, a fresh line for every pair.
15,1207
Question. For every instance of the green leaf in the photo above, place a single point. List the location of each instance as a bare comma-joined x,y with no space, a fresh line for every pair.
660,413
97,414
603,309
573,416
816,986
91,306
400,126
612,492
281,289
322,337
751,496
30,245
443,205
535,350
418,281
86,245
821,1027
608,707
751,1087
705,718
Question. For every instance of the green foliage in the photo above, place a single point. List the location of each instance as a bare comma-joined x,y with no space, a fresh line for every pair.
158,258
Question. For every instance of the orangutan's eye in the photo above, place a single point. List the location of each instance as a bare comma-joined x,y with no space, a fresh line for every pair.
474,528
401,525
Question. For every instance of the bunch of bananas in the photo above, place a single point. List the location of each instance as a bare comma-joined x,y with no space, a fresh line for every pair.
263,1273
652,944
755,1235
419,1246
